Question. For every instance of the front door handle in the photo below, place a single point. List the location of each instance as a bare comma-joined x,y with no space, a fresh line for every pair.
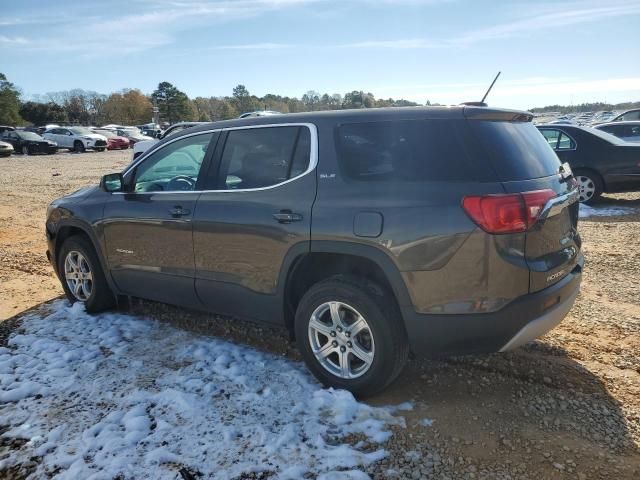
178,211
287,216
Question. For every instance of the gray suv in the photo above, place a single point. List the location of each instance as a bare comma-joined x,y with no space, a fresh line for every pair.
368,234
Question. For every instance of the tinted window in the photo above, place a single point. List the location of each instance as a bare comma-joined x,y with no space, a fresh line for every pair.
410,150
261,157
517,150
174,167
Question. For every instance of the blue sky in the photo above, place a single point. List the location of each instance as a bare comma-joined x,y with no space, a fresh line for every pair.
446,51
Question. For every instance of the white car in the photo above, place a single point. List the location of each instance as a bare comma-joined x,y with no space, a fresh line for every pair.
77,139
6,149
140,147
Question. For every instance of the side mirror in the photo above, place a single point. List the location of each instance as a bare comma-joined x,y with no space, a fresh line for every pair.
113,182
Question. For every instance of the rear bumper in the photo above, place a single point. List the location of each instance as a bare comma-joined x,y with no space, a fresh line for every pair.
522,320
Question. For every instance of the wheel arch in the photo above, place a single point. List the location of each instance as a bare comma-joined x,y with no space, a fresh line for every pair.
322,259
72,228
577,170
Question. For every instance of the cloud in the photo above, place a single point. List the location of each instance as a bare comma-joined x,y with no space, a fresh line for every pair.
12,41
558,16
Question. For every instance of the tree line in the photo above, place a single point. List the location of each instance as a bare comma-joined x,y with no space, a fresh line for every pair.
586,107
132,107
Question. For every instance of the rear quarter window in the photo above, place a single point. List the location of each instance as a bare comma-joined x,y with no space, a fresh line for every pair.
517,150
411,151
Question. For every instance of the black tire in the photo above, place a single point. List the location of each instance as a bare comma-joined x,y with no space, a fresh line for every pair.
78,146
100,149
101,297
26,150
382,315
589,180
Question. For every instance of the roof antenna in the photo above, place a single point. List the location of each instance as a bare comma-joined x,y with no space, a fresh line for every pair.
490,87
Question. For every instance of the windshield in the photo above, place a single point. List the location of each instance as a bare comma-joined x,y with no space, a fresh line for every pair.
81,130
29,136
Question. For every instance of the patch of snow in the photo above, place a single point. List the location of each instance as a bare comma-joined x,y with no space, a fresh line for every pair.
426,422
114,395
589,211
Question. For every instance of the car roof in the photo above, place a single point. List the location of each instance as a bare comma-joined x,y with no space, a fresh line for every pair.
374,114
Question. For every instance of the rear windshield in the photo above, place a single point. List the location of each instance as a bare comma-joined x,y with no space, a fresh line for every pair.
517,150
411,151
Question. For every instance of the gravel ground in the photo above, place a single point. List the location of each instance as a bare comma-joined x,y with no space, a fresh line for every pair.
567,406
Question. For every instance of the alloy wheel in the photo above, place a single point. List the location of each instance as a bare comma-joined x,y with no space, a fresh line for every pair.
78,275
341,340
587,188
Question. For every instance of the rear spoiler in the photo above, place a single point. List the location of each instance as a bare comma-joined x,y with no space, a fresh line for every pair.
472,112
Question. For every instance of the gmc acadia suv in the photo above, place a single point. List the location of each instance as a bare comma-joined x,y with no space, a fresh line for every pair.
368,234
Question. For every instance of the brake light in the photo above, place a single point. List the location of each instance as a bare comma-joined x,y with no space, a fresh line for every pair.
507,213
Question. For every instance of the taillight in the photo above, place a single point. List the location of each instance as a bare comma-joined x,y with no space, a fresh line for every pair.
507,213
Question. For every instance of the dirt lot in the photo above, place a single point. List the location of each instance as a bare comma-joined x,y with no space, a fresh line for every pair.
567,406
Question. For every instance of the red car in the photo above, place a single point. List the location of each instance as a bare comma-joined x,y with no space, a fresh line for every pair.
114,142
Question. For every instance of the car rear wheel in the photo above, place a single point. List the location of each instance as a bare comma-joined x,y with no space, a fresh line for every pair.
590,186
25,150
82,276
78,146
350,335
100,149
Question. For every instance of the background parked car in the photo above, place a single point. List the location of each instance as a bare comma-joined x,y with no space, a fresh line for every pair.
600,161
29,143
141,147
132,134
627,131
629,115
5,149
76,138
114,141
4,128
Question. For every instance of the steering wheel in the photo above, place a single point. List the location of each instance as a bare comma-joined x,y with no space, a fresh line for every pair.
181,183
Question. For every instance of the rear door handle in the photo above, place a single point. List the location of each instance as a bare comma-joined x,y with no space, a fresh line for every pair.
178,211
287,216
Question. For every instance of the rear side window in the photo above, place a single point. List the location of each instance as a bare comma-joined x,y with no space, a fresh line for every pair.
558,140
262,157
410,150
516,150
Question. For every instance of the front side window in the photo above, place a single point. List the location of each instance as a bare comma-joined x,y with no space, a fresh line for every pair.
263,157
174,167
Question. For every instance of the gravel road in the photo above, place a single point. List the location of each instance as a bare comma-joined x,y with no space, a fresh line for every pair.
567,406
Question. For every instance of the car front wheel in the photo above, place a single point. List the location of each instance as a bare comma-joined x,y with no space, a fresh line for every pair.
350,334
82,276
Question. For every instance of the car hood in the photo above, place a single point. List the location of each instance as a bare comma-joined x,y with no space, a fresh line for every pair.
94,136
75,196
